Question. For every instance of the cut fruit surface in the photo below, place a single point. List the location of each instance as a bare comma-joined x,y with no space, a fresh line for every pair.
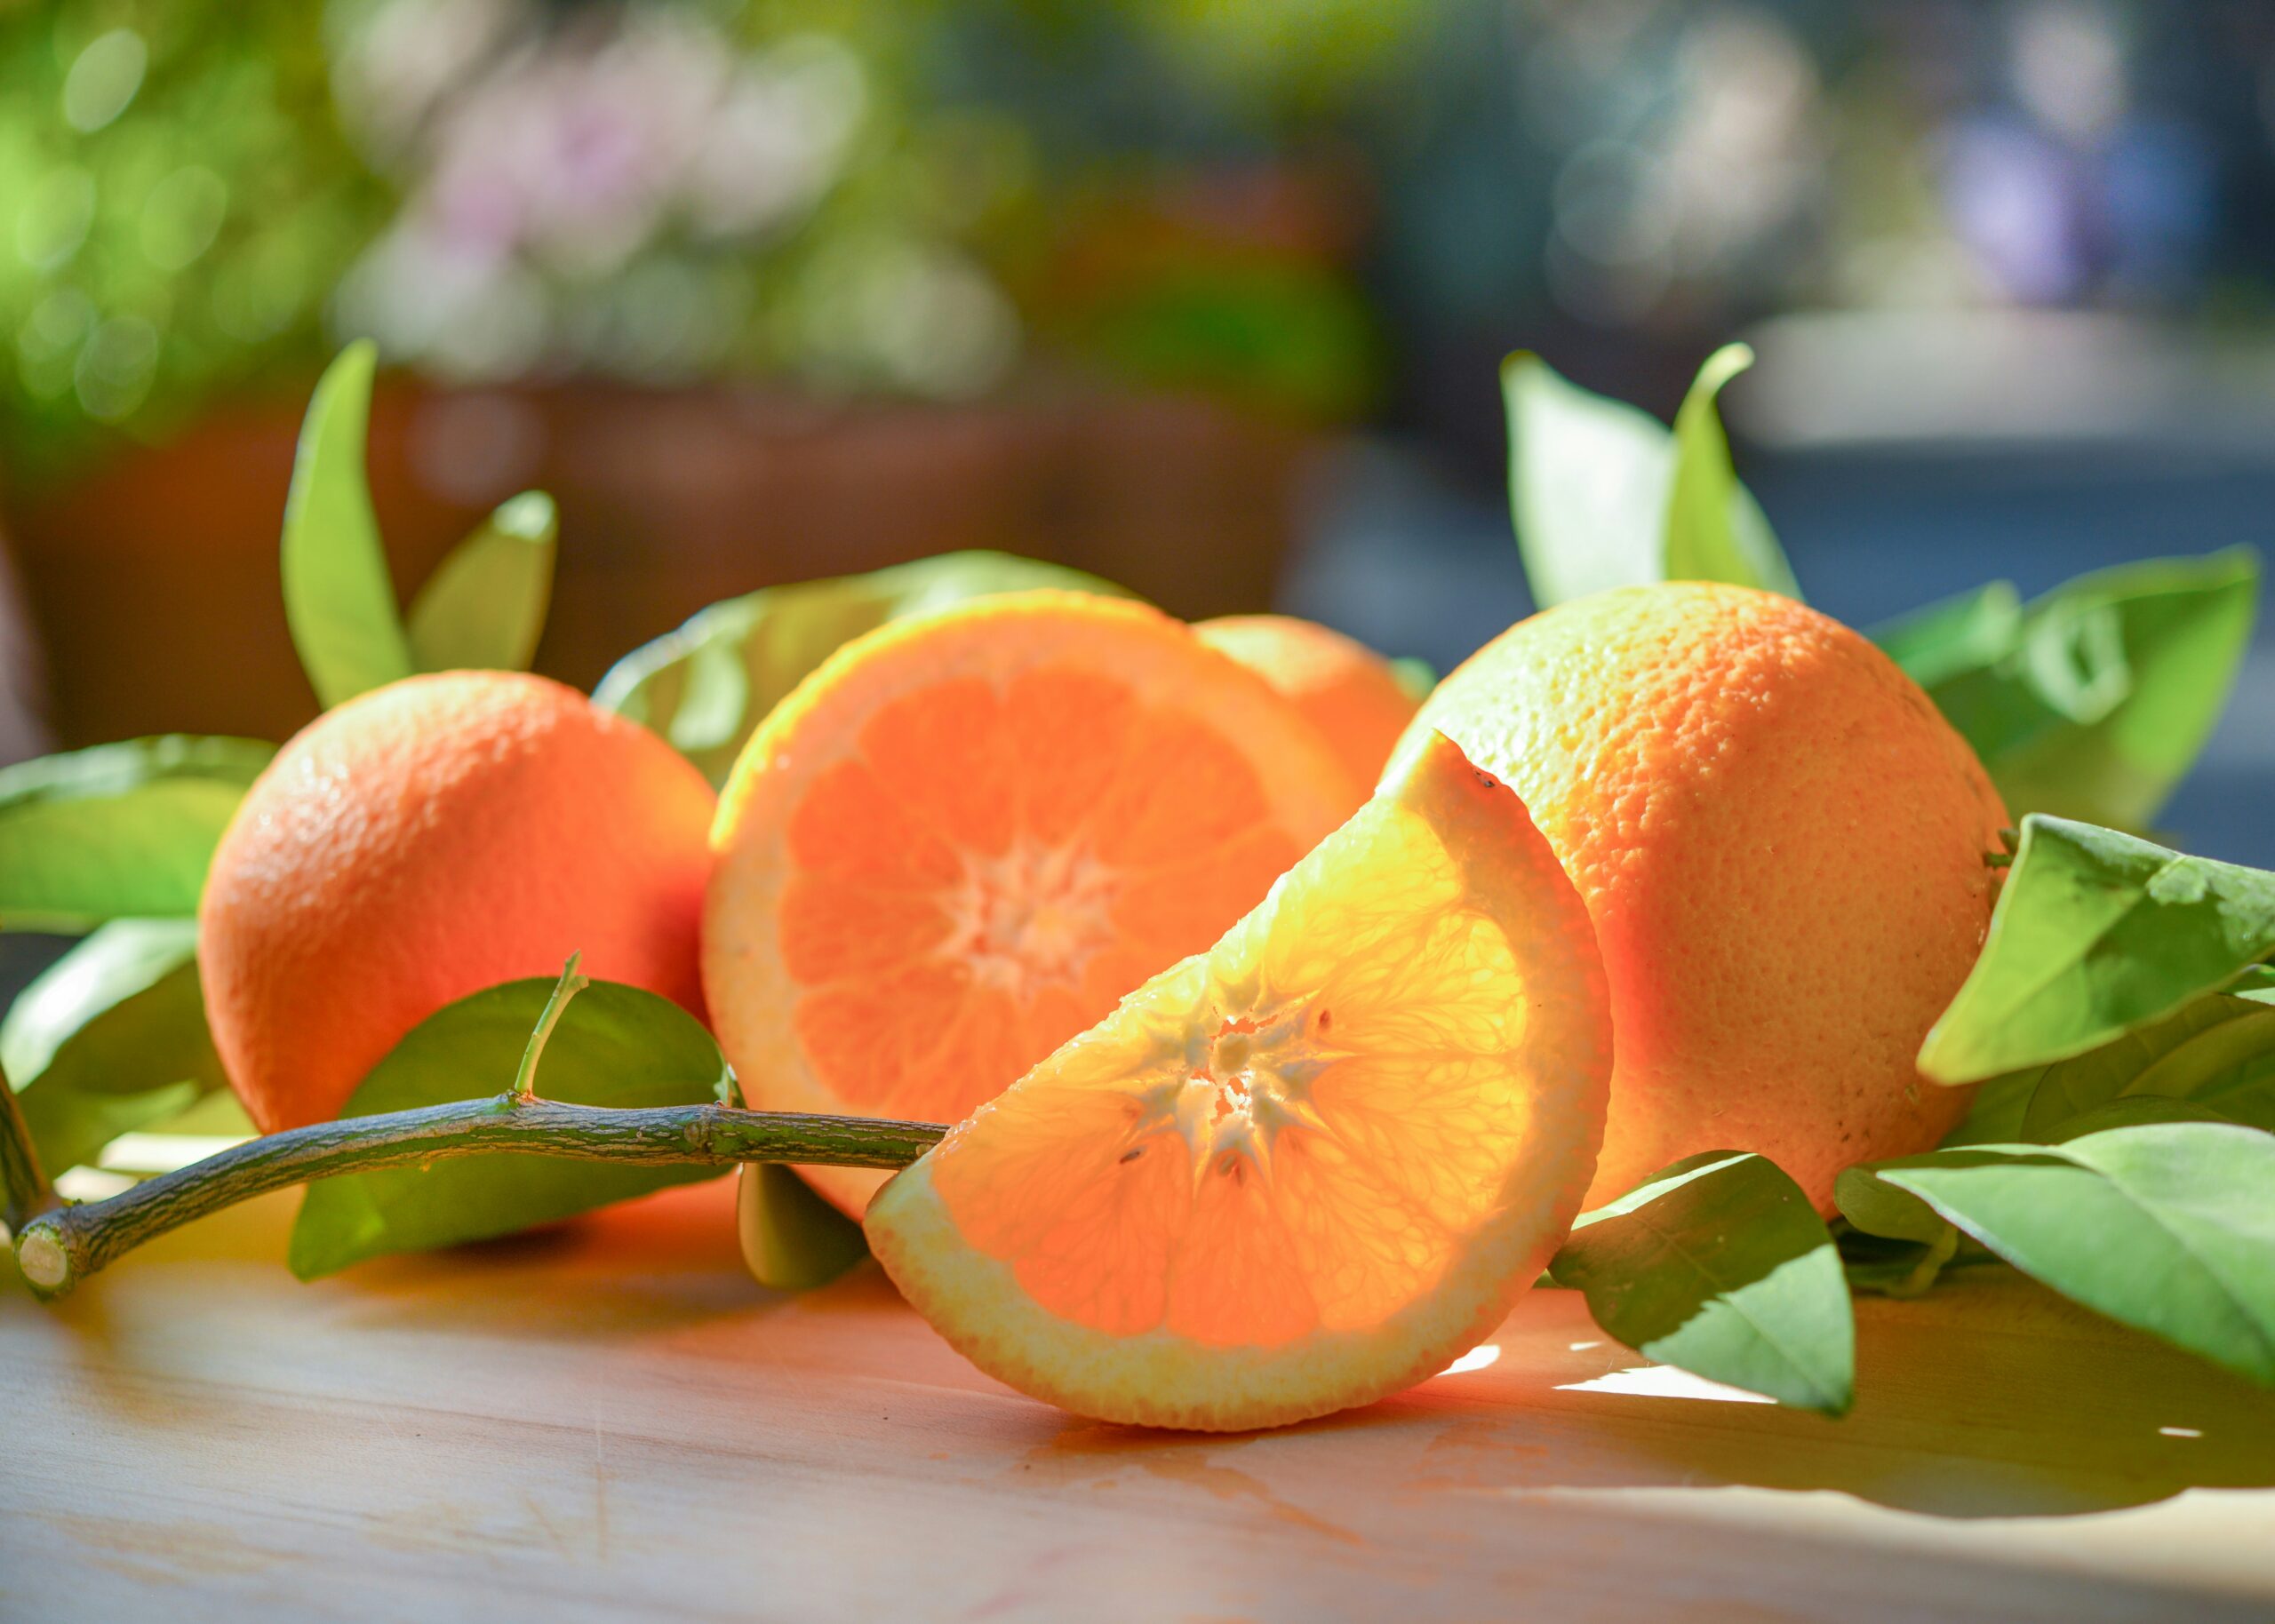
1303,1170
964,837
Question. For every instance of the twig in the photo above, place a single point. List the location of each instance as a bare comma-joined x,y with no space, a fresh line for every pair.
58,1248
23,1182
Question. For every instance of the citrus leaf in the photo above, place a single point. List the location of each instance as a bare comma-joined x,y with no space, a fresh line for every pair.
1719,1265
708,686
1881,1208
483,609
110,1039
2095,932
1602,494
2093,701
2167,1228
1954,635
2093,1079
2133,1111
615,1045
1415,676
791,1239
1715,531
337,598
1995,1115
1896,1268
117,830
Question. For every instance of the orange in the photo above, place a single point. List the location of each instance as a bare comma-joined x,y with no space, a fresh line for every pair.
965,835
1346,690
428,840
1304,1170
1782,845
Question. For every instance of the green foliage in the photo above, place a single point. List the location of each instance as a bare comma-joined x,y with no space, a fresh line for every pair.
117,830
1719,1265
1603,495
110,1039
791,1239
177,199
707,686
2095,932
338,597
1714,528
1417,676
2166,1227
2093,701
2217,1053
615,1045
483,609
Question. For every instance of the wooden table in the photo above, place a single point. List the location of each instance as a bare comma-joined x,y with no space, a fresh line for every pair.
611,1421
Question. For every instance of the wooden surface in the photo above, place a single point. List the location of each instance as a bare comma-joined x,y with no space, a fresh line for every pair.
611,1421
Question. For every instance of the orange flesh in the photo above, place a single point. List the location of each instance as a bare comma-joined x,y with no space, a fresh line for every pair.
1299,1134
992,865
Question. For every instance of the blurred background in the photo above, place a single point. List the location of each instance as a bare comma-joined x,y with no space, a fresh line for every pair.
1207,298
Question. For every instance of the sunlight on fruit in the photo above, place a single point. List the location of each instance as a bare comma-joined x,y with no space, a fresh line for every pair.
1309,1166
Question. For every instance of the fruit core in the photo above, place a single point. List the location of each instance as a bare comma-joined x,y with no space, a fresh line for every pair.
1035,915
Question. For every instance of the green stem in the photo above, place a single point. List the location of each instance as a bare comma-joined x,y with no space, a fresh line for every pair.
25,1191
56,1249
556,1004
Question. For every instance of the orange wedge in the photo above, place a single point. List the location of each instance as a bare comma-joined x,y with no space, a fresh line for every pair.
965,836
1311,1166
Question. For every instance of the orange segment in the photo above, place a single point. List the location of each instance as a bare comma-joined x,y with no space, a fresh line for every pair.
1305,1169
966,836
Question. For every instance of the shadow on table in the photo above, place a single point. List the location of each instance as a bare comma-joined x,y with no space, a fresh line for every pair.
1990,1398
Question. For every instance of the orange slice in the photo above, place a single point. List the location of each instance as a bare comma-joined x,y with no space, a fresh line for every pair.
1306,1169
962,839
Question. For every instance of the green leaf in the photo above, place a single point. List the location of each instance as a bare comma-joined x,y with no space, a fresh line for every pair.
1417,676
2088,1081
337,598
1719,1265
2095,932
1955,635
483,609
615,1045
1996,1115
1603,495
110,1039
1896,1268
708,686
792,1240
2093,701
1715,531
118,831
2167,1228
2134,1110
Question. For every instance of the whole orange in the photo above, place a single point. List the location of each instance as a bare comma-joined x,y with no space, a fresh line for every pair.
1781,843
426,840
1343,688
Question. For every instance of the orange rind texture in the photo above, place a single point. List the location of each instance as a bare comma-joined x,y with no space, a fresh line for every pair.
1782,844
428,840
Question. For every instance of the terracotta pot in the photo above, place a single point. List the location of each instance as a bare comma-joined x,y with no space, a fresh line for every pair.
155,584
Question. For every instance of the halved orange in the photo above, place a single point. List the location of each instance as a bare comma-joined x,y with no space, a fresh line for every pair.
1306,1169
964,836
